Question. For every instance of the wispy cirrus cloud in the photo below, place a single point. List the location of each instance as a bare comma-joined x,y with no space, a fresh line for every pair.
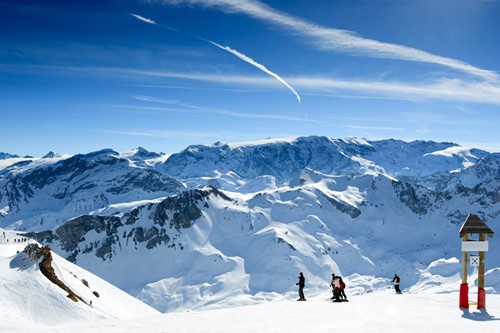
196,135
152,99
443,89
440,90
330,39
190,88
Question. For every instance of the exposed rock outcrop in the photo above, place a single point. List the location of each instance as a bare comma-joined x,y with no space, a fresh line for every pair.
175,212
44,256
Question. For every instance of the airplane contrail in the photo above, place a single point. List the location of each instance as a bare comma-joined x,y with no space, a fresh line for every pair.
254,63
144,19
150,21
230,50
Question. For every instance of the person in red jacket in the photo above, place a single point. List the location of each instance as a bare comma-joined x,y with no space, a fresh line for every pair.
342,295
336,288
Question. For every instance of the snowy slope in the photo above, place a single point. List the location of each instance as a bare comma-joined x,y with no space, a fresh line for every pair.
30,303
380,311
28,296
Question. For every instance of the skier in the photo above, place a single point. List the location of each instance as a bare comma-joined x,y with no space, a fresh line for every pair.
342,295
396,281
301,284
336,289
333,285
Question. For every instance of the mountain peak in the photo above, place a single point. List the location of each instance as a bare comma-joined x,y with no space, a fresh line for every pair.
141,152
4,156
52,154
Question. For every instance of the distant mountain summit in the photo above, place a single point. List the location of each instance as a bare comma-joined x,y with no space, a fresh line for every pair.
282,159
51,154
145,154
140,154
4,156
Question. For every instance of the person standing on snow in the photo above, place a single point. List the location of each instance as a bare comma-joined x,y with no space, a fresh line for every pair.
336,289
301,284
342,295
396,281
333,285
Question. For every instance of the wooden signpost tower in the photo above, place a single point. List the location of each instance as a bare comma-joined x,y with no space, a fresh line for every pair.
474,226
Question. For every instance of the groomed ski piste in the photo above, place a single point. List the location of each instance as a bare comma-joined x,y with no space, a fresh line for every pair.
31,303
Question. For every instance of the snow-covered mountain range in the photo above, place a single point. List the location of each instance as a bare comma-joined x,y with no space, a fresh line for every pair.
213,223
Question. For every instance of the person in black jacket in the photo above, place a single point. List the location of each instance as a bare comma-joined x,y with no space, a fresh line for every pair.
301,284
396,281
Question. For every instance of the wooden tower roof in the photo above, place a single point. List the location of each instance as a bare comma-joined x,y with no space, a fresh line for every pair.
474,225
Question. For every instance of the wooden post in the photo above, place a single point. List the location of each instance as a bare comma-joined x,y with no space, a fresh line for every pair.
465,260
473,226
464,287
481,294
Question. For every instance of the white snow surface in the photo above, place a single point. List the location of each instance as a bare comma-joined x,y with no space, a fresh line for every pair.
449,152
29,299
236,145
31,303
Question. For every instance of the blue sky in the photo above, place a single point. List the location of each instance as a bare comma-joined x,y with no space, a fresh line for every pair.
79,76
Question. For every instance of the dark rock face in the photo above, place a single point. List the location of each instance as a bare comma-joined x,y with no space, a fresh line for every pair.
408,194
182,210
343,207
43,254
168,217
71,233
147,180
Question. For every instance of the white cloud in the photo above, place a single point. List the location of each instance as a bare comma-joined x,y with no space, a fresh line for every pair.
442,90
195,135
330,39
144,19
